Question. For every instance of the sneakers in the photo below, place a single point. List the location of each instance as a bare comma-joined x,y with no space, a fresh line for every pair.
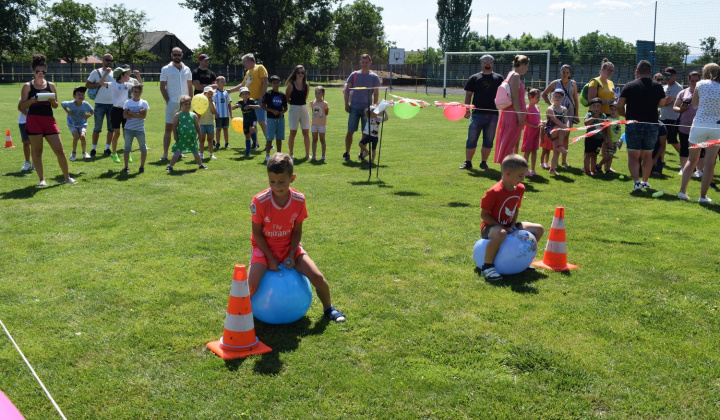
598,169
107,152
125,171
704,200
201,166
697,174
645,185
254,146
363,155
637,186
86,155
72,157
680,172
93,152
141,170
202,155
346,157
69,181
467,165
267,157
483,166
683,196
334,314
565,164
42,183
323,158
533,173
528,173
26,166
115,157
545,166
227,145
491,274
169,168
212,156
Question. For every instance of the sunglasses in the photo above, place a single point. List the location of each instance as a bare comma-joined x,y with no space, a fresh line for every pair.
177,55
40,72
300,72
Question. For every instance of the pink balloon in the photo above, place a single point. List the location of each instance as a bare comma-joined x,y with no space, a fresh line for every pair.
454,113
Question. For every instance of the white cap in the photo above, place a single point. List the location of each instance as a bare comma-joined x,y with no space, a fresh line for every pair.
208,89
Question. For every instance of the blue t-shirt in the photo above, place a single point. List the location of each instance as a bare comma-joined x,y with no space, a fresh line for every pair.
77,118
137,124
362,98
274,100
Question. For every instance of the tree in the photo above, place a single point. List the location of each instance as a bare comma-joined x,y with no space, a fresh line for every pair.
453,17
710,53
432,57
593,47
671,54
14,24
126,28
360,31
67,31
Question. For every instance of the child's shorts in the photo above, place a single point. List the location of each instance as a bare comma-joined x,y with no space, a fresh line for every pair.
23,133
259,257
207,129
275,129
116,118
370,139
247,126
546,142
80,128
134,134
223,122
593,145
317,129
485,232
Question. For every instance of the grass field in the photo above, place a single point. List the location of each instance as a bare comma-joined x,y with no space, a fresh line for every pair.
113,286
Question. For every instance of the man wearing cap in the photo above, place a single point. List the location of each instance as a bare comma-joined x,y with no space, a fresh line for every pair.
175,81
667,115
203,76
103,102
480,91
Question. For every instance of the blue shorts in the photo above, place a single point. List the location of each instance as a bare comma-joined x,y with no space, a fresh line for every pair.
639,136
356,115
223,122
103,111
275,129
261,115
487,123
369,139
79,127
135,134
23,134
207,129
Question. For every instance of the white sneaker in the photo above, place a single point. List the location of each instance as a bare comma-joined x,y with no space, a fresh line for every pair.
72,157
638,186
292,157
26,166
212,156
680,172
323,158
312,158
704,200
42,183
645,185
202,155
267,157
86,155
683,196
698,174
71,181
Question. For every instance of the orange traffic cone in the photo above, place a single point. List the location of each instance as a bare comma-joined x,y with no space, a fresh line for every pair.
8,139
238,338
555,257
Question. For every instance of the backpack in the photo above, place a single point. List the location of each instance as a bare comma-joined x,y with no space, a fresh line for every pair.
502,96
584,92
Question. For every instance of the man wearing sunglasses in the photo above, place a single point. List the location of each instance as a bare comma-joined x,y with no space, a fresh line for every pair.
103,101
175,81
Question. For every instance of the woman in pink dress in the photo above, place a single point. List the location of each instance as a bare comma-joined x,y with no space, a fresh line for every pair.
512,120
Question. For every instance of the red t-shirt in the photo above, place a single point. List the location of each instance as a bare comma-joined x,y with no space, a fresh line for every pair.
277,222
502,204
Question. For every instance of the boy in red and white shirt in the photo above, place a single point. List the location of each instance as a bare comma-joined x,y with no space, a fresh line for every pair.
277,217
499,211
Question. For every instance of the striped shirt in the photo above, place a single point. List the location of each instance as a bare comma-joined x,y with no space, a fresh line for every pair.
222,101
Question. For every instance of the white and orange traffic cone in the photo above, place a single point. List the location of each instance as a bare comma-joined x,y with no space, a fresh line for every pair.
555,257
8,139
238,338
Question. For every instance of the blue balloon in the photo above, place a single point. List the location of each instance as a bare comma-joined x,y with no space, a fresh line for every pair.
623,138
515,255
284,296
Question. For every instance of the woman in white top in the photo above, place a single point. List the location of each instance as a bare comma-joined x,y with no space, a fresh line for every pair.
705,126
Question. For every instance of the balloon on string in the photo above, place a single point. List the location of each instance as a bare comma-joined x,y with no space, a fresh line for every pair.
237,124
405,111
200,103
454,112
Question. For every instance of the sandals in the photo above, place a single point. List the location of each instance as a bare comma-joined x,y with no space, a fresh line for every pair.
334,315
491,274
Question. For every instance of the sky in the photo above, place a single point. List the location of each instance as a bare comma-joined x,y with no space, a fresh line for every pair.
630,20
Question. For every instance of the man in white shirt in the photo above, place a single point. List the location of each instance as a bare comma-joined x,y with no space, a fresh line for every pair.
175,81
103,102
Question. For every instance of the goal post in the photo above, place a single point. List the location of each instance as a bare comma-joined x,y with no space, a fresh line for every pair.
494,53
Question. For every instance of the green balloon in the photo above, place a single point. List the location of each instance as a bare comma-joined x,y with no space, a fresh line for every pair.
405,111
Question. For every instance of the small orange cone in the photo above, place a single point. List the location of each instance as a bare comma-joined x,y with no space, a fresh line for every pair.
8,140
555,257
238,338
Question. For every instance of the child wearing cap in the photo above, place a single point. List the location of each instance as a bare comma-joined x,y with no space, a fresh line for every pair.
557,117
120,88
207,124
275,103
594,143
247,107
78,111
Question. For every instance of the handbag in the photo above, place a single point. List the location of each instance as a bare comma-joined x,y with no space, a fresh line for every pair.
92,93
502,96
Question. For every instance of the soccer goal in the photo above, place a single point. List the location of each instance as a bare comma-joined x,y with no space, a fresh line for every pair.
459,66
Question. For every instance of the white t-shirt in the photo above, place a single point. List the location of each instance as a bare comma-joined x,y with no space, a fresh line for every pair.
21,117
120,92
137,124
709,108
103,96
176,81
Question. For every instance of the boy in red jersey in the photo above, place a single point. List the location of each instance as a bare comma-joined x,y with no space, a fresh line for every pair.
499,211
277,217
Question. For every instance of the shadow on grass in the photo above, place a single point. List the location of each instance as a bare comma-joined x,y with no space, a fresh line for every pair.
243,157
281,339
24,193
407,193
518,283
181,172
489,173
378,182
122,176
457,204
562,178
20,174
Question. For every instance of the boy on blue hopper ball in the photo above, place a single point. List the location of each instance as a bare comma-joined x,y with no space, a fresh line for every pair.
277,217
499,211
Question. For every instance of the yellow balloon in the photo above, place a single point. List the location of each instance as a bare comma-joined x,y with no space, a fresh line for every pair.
237,124
200,103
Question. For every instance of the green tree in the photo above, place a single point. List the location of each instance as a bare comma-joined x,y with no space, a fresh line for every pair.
14,25
67,31
126,28
710,52
431,56
360,31
671,54
593,47
453,17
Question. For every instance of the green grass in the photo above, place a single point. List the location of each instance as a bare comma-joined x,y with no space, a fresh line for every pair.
112,287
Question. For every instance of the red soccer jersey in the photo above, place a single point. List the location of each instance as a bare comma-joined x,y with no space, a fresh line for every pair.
277,222
502,204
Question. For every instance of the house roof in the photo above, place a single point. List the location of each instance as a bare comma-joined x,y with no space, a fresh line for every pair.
89,59
150,39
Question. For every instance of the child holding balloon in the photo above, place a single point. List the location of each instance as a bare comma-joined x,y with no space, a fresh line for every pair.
531,133
186,130
278,214
207,124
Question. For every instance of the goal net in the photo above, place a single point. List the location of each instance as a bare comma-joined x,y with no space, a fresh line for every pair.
459,66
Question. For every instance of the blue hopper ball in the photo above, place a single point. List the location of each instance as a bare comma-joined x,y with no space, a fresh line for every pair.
284,296
515,255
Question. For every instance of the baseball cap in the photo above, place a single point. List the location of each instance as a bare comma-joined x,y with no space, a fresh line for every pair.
118,71
487,58
203,57
208,89
669,71
595,100
82,89
559,90
244,89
